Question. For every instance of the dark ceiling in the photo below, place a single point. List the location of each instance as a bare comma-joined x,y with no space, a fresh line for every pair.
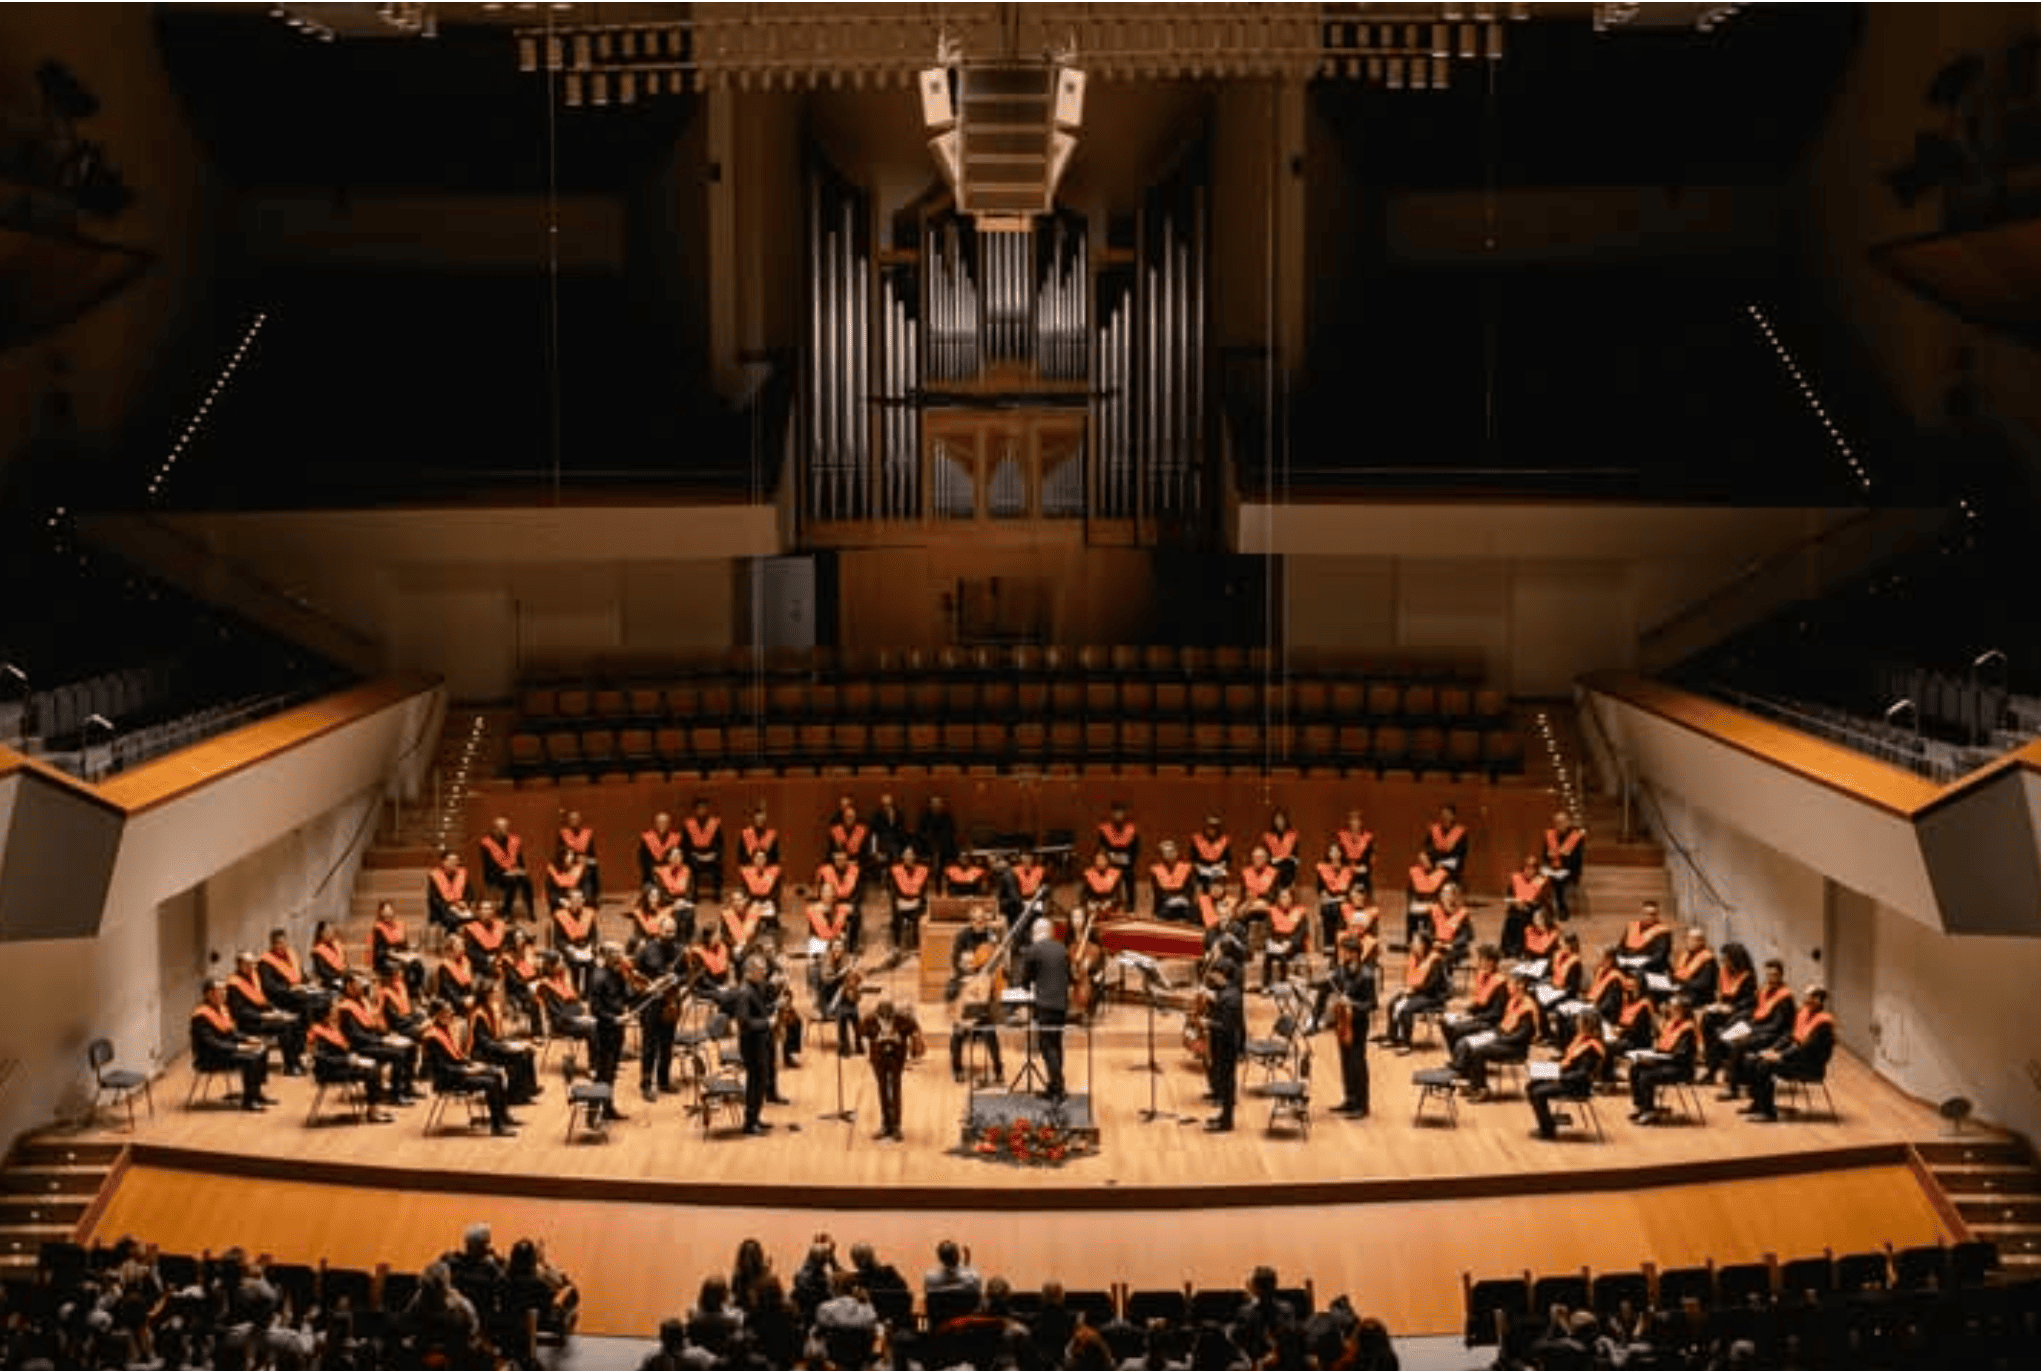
1570,106
278,108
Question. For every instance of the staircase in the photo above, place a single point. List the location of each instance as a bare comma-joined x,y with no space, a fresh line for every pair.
47,1187
1995,1188
471,742
1620,875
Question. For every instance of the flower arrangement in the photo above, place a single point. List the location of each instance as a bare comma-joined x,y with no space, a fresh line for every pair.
1028,1144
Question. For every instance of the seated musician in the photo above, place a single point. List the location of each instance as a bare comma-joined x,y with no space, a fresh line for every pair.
1280,842
335,1062
839,883
655,845
575,937
284,981
488,936
743,925
1736,995
759,836
1445,841
827,923
710,965
1770,1020
369,1035
935,833
1257,883
1647,941
394,1003
566,877
1289,926
1516,1027
1529,892
1120,841
673,887
491,1045
1427,878
1485,996
1802,1055
329,956
503,869
907,893
1583,1063
446,893
1336,881
390,945
1603,993
255,1017
703,834
566,1014
1675,1047
1212,853
579,841
1565,855
1357,845
760,879
836,980
1425,982
1105,887
452,1070
966,876
1632,1027
1452,923
1695,970
453,980
217,1045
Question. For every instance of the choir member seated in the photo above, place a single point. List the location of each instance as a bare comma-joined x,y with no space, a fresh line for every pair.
1670,1060
452,1071
1212,853
284,981
490,1044
702,832
1445,842
1581,1066
1337,879
1529,891
370,1035
217,1045
390,945
1647,942
966,876
1802,1055
1485,998
1280,842
1425,978
256,1017
335,1062
1289,926
574,937
1509,1041
446,894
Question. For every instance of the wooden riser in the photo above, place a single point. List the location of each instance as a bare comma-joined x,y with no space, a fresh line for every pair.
2021,1242
28,1239
48,1151
2024,1209
1969,1182
52,1180
1952,1152
16,1210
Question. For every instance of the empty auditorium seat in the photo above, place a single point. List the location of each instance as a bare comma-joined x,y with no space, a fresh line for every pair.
960,740
1124,660
1093,659
1101,740
1101,697
671,745
849,743
1208,742
1391,747
1420,703
750,701
705,743
1229,661
1159,659
599,747
717,701
1137,741
538,706
634,746
1137,699
1356,744
819,700
924,741
782,744
1317,742
1502,752
1066,740
1030,744
990,744
786,701
1310,700
889,699
817,742
683,702
1172,742
1242,699
1349,700
527,753
1172,698
563,751
1463,750
1385,700
856,699
960,699
1208,700
572,705
927,698
1491,707
1243,742
1194,660
1031,698
997,699
889,743
1456,704
609,705
744,744
1066,697
1426,747
1027,659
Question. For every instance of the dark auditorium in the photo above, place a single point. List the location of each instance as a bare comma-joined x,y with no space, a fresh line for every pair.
1020,686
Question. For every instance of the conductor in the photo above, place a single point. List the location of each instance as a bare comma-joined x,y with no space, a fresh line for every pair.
1045,969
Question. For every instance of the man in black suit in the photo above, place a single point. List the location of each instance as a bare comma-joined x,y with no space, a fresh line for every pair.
609,1000
1803,1056
1226,1032
1045,969
752,1008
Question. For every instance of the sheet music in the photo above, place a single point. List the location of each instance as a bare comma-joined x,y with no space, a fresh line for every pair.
1660,984
1542,1071
1535,970
1481,1039
1735,1033
1546,994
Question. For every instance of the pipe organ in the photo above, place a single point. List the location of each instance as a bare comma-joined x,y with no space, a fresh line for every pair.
1003,373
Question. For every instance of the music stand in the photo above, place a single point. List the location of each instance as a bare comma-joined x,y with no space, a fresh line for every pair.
1151,981
1029,1079
842,1113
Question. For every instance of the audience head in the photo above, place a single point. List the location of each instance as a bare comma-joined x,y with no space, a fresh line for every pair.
476,1239
947,1254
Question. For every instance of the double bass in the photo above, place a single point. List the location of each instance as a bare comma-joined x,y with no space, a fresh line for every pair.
1087,970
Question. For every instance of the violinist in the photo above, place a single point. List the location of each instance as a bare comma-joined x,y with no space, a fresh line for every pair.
659,957
839,884
1336,882
893,1037
489,1044
966,876
760,878
1280,842
446,893
1120,841
390,945
1226,1033
702,834
837,984
1427,878
1212,853
1352,983
579,840
566,877
1445,841
907,891
609,1004
574,936
1357,845
972,958
1288,928
1529,892
503,869
486,936
1169,881
655,845
1105,886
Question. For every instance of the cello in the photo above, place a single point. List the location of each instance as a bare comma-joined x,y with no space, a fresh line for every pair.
1087,970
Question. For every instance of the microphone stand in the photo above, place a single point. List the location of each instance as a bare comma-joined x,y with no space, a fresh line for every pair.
1154,1069
841,1114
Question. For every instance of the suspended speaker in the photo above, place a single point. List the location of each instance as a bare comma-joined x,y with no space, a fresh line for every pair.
937,111
1069,98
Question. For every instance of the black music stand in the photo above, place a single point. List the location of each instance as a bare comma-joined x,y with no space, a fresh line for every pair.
1151,982
842,1113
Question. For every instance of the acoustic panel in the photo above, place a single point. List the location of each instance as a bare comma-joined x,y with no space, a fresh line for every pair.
59,853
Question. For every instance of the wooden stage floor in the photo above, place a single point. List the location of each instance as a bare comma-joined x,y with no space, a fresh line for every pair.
1384,1208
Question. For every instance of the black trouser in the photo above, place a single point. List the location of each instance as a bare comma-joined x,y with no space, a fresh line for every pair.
606,1050
1462,1026
507,892
474,1078
1513,925
1472,1062
1647,1077
983,1030
655,1048
286,1029
754,1047
399,1055
1224,1074
1735,1059
1542,1093
1049,1020
1403,1012
519,1066
907,925
1330,919
707,868
1286,872
591,882
1175,908
336,1069
1763,1078
1353,1065
888,1064
253,1063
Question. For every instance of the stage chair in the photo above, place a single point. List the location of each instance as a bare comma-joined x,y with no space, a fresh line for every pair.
1569,1290
634,746
1146,1306
1101,698
122,1083
1439,1083
445,1091
1502,753
538,706
1494,1308
353,1091
1797,1094
1273,1052
1384,700
646,705
1241,699
1290,1097
1208,700
1137,699
1066,698
718,701
716,1084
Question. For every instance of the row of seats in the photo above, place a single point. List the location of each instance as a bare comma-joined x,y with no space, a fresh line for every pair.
1158,661
1464,752
1501,1311
731,701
